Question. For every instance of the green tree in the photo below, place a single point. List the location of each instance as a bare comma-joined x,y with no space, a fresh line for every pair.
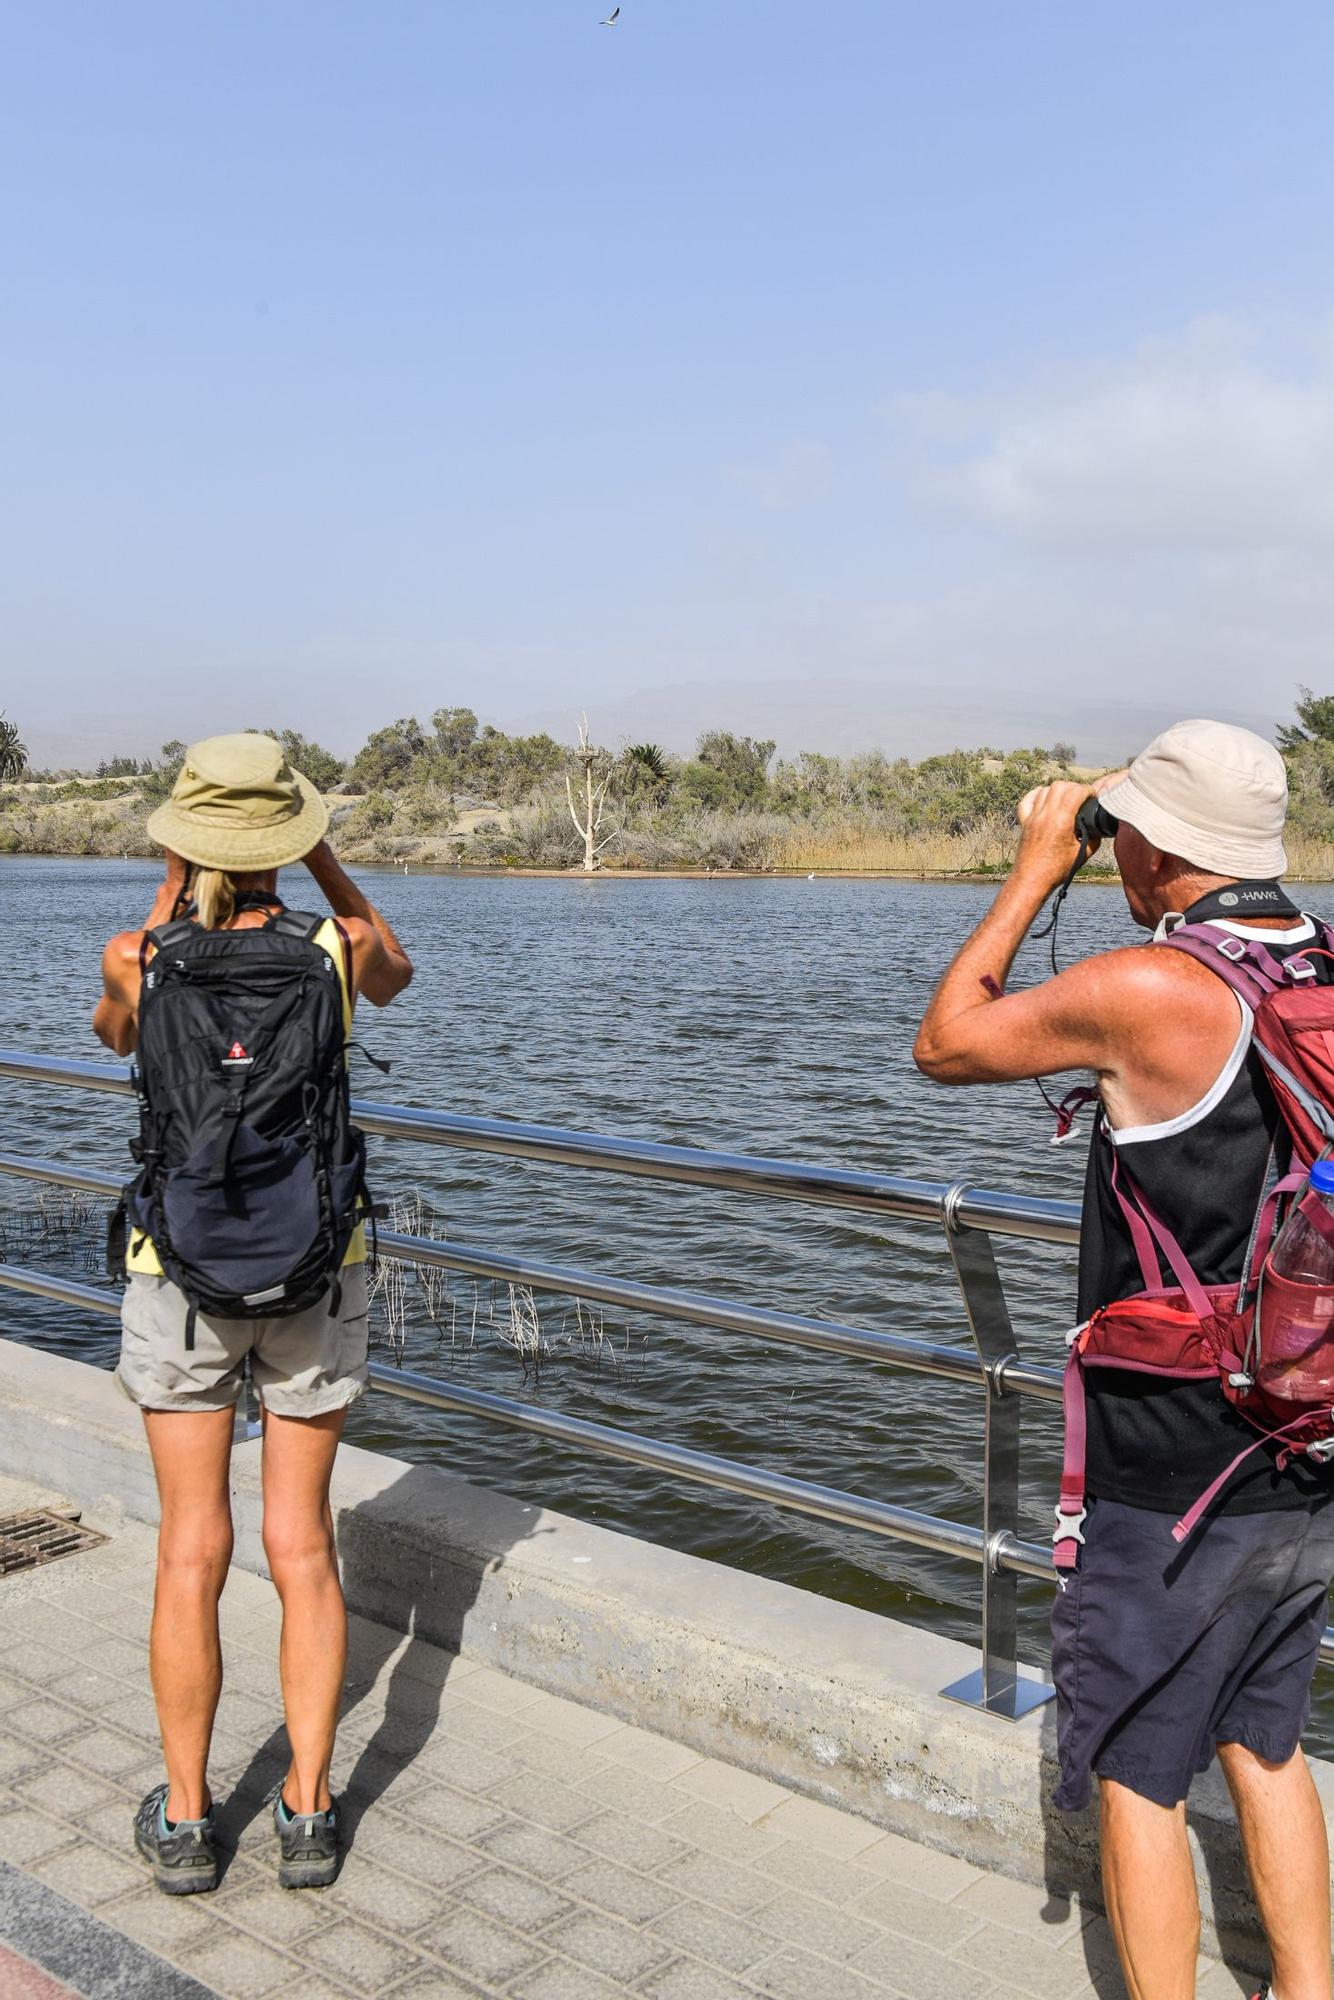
159,777
727,771
509,768
455,731
812,784
388,755
1315,721
312,759
13,753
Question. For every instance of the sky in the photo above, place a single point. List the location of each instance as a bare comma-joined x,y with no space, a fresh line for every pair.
858,373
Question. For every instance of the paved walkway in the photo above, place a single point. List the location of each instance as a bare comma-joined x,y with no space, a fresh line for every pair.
504,1842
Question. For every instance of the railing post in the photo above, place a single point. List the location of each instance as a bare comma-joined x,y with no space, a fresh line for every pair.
998,1687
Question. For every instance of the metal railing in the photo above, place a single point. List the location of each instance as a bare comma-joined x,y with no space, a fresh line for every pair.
970,1218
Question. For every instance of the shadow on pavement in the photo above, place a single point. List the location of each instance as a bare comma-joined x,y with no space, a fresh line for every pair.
393,1566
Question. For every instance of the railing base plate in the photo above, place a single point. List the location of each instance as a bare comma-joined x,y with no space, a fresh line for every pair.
1008,1698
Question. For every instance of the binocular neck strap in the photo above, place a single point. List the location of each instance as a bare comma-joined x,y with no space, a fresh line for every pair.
1244,899
1049,928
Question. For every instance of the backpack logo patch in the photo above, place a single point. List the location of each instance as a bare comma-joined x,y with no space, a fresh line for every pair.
236,1055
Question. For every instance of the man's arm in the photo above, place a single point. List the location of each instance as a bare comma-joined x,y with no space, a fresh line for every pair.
1154,1026
972,1031
383,967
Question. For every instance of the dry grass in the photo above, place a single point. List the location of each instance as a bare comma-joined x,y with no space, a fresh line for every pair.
854,849
1309,859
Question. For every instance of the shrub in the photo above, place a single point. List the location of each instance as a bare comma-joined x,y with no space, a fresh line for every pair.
367,818
542,836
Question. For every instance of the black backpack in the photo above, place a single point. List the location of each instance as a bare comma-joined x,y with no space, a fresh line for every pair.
251,1173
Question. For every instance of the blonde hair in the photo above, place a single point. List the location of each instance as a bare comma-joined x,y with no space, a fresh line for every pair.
214,894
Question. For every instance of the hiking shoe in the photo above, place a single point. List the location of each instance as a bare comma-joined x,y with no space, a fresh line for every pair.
183,1853
308,1844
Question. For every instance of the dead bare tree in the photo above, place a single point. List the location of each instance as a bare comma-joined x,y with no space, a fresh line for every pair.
595,800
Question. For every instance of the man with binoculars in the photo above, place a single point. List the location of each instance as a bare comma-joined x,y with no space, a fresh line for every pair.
1165,1654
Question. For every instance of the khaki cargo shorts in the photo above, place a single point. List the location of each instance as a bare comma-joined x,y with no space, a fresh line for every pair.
302,1365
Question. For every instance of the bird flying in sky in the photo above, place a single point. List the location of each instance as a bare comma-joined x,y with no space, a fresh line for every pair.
611,19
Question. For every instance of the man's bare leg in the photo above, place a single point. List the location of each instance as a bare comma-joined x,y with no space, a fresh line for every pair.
191,1453
1287,1852
1148,1879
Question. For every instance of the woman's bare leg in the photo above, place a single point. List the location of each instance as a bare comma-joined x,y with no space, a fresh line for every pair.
191,1453
299,1543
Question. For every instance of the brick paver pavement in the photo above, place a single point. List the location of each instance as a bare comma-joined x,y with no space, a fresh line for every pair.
503,1841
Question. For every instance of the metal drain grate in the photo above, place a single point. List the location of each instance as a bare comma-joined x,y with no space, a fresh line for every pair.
29,1540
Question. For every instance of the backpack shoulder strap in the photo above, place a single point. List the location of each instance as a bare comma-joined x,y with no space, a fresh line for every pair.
293,923
1152,1238
1231,958
171,936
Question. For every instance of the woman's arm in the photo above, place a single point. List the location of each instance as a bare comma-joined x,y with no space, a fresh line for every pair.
382,966
115,1018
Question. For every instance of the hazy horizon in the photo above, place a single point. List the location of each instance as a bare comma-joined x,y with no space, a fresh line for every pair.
878,375
842,718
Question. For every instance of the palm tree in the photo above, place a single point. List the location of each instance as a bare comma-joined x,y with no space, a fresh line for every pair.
13,754
645,767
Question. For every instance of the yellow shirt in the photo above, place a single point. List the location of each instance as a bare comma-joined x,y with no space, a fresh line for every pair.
141,1258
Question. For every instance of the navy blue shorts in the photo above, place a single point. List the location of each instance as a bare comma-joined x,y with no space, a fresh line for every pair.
1160,1653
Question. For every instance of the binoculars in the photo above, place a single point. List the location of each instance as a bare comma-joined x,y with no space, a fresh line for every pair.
1094,822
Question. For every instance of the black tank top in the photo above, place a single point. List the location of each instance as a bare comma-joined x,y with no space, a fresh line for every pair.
1157,1447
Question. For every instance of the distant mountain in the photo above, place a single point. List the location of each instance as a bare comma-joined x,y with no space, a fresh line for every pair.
837,715
846,716
96,737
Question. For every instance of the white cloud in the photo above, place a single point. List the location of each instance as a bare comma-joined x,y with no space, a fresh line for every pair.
1209,442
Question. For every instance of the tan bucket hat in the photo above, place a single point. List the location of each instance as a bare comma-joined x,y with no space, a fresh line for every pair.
1212,793
238,804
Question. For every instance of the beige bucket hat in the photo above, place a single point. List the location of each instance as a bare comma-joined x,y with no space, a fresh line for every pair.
1212,793
238,804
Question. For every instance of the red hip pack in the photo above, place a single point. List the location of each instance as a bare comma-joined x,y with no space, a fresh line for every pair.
1269,1340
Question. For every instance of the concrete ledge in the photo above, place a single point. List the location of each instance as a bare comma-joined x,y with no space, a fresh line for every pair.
71,1944
821,1697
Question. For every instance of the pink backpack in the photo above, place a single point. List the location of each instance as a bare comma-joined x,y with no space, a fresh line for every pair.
1267,1342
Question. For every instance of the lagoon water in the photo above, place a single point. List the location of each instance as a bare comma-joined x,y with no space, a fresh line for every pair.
770,1017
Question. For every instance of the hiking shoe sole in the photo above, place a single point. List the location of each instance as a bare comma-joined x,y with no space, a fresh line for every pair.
307,1846
184,1860
310,1874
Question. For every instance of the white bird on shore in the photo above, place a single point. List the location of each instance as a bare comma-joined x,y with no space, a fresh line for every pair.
810,878
611,19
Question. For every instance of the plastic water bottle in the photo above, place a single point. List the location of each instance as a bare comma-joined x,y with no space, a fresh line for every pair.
1301,1252
1297,1303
